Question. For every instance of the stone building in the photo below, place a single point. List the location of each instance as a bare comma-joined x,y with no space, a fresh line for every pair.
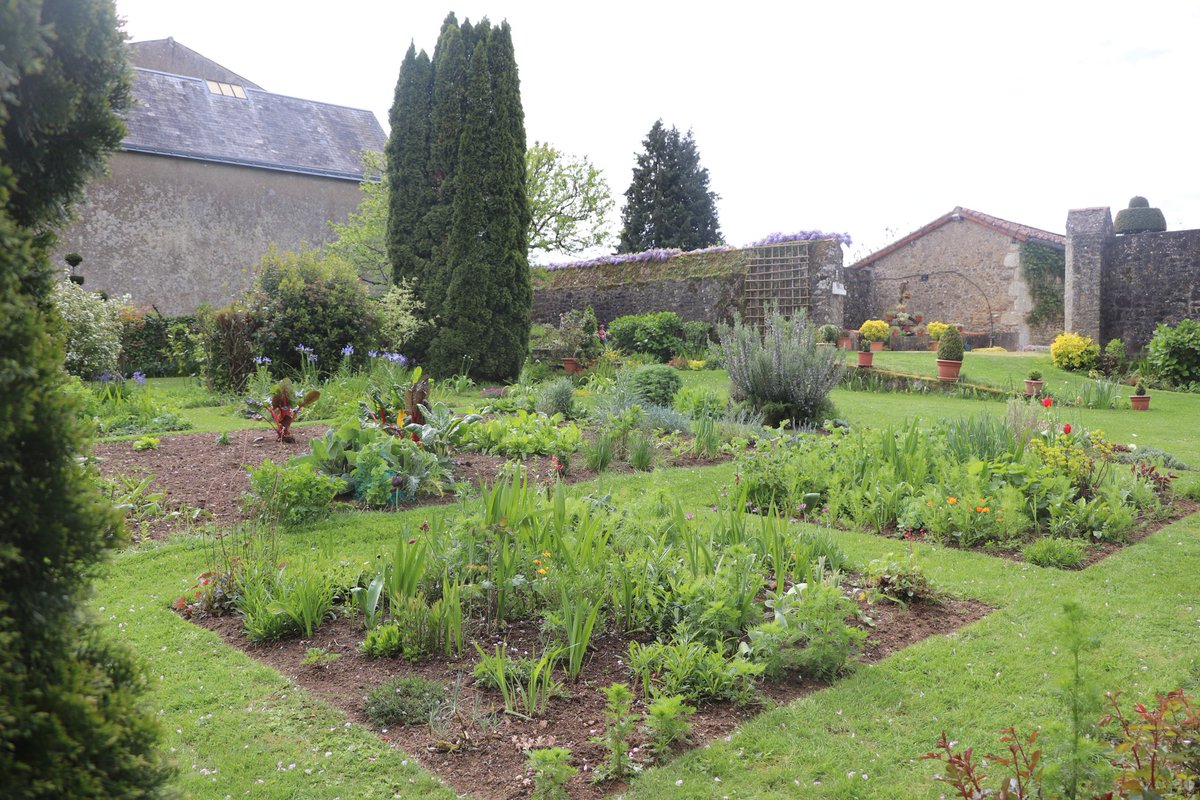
1000,279
212,170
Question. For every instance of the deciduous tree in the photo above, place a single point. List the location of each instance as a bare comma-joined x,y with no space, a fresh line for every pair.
569,202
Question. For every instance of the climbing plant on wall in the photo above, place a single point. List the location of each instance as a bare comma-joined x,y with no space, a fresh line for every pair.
1043,269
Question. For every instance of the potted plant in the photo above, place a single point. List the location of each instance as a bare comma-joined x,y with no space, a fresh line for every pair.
1034,383
949,355
828,334
866,354
1140,400
936,330
875,331
578,342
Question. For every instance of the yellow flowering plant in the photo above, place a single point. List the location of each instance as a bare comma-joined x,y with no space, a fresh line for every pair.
874,330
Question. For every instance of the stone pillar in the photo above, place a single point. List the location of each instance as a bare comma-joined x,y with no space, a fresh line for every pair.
1089,237
825,270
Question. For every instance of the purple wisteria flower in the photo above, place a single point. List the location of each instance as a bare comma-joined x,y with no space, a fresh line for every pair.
802,236
663,254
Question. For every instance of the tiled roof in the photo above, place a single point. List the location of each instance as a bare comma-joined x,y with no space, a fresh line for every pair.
1023,233
180,116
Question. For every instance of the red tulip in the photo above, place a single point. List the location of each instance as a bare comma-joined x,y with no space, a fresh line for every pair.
1047,402
1067,428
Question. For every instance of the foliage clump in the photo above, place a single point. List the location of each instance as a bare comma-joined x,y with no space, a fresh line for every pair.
656,384
874,330
408,700
780,371
1074,352
659,334
1174,353
72,721
950,346
93,331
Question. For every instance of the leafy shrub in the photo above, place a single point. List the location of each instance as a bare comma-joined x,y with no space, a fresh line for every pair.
292,494
829,333
874,330
780,369
148,343
697,335
656,384
557,397
305,299
400,318
228,341
937,330
1174,353
1071,351
408,700
390,470
660,334
950,346
578,335
1051,551
666,724
92,329
664,419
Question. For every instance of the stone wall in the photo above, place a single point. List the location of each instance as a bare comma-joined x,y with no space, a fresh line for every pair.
961,272
1121,287
176,233
697,286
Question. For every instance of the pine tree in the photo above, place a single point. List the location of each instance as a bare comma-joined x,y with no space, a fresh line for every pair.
71,719
410,194
668,203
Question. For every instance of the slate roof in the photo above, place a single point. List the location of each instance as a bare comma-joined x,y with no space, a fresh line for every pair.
1022,233
174,115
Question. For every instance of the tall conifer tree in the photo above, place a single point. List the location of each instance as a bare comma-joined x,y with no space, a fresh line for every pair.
668,203
410,194
71,719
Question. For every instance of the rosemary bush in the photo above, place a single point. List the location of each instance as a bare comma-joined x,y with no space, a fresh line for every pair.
780,370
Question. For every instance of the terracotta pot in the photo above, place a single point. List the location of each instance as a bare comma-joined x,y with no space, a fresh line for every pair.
876,347
948,370
572,365
1033,388
865,359
1140,402
844,343
933,345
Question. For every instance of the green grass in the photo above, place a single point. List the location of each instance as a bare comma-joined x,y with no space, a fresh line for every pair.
233,723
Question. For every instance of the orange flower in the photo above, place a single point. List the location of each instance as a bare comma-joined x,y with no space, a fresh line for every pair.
542,571
986,509
929,503
980,509
951,500
537,561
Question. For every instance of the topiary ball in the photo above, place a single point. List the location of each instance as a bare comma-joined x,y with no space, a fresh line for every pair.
1139,218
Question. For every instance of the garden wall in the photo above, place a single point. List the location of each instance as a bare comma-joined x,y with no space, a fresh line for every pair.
707,286
1121,287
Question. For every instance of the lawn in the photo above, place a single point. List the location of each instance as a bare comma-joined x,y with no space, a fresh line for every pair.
237,728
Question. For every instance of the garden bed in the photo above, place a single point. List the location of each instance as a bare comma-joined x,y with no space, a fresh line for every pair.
492,764
197,473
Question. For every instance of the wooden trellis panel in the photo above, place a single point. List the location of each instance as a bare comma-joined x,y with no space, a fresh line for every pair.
777,274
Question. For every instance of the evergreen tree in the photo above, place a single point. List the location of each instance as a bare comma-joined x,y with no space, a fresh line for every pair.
668,203
71,719
410,194
476,284
511,295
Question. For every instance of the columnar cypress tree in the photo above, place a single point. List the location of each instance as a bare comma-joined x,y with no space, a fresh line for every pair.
476,282
511,296
71,721
410,194
668,203
466,319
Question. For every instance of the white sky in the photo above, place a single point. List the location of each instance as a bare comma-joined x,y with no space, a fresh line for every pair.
872,118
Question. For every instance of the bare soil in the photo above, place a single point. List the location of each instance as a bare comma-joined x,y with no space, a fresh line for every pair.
195,472
491,764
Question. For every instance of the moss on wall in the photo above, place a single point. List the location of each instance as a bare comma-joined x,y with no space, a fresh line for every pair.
1043,269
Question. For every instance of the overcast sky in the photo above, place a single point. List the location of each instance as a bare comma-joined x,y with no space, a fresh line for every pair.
871,118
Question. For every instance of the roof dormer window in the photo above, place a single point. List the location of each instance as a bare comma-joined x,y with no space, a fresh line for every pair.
226,89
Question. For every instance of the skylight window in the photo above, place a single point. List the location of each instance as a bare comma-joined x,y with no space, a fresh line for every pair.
226,89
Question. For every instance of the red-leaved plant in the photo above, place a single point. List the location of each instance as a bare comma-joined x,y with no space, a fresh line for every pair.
284,408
